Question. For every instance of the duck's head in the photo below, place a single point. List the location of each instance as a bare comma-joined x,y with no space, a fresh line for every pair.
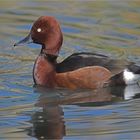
47,32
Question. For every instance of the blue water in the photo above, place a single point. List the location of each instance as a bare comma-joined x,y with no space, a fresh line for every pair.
28,112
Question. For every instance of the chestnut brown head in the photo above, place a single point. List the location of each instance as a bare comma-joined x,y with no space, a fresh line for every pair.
45,31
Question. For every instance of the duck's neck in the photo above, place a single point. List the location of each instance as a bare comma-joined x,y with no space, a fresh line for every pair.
44,70
53,43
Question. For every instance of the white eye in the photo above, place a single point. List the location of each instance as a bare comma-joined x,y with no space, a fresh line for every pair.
39,30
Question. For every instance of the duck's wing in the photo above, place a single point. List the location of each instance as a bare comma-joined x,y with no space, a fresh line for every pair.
80,60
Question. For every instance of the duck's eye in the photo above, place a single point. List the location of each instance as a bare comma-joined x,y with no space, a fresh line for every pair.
39,30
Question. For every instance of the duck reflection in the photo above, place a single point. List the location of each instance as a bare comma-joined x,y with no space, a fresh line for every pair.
48,123
126,93
63,96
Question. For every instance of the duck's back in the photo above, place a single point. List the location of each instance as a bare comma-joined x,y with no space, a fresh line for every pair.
79,60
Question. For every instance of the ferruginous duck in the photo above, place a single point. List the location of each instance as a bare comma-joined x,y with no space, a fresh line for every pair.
80,70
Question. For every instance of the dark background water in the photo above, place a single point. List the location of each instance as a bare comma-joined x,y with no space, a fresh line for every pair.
26,112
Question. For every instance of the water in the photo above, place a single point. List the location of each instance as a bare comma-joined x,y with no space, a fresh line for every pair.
28,112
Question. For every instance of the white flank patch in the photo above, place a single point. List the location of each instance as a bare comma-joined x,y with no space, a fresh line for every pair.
129,77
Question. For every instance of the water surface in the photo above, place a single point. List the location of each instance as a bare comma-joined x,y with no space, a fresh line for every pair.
26,112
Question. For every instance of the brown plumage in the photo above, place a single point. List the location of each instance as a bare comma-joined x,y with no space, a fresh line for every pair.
81,70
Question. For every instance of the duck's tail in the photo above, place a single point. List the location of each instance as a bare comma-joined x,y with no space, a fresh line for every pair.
129,76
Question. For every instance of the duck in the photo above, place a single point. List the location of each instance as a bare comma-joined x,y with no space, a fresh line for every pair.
83,70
